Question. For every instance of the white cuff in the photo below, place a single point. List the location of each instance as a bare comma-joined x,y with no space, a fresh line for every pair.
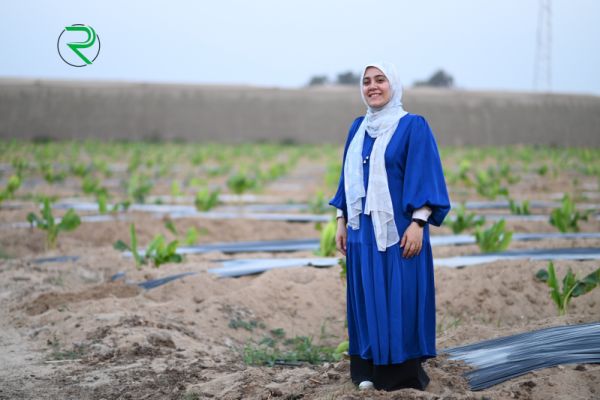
422,213
340,213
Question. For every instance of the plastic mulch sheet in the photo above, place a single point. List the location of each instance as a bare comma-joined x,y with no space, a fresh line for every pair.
498,360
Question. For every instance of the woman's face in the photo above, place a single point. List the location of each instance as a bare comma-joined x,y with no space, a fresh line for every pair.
376,88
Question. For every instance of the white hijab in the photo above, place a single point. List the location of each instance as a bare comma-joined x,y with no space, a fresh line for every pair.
380,123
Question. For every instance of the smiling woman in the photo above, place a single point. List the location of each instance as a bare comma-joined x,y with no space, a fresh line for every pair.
376,88
391,187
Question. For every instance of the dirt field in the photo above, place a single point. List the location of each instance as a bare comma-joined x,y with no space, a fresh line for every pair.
68,332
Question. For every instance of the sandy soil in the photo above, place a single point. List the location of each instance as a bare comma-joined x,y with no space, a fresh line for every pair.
68,332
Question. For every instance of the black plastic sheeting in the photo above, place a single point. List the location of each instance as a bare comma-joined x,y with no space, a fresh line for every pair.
498,360
153,283
55,259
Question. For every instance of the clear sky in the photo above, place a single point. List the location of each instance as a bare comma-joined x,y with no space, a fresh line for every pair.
483,44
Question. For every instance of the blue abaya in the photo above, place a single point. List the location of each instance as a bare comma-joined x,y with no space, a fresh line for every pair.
391,299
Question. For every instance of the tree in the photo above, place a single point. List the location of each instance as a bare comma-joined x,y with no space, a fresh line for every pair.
438,79
318,80
348,78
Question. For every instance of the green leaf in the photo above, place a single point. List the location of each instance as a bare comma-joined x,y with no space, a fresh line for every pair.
121,246
171,227
69,221
47,213
134,250
586,284
35,220
542,275
554,289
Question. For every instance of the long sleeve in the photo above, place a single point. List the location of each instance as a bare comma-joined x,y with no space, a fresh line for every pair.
339,200
424,183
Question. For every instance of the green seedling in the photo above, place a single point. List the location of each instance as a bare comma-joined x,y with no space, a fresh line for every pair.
46,222
14,183
176,189
90,184
495,238
327,244
344,268
50,175
158,251
519,208
488,185
79,169
566,218
191,235
333,173
240,183
542,171
463,220
318,205
132,247
138,188
205,199
121,206
571,286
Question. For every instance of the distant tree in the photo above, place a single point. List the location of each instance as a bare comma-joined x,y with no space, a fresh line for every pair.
318,80
348,78
438,79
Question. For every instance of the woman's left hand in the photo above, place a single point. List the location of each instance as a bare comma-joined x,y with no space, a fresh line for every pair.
412,240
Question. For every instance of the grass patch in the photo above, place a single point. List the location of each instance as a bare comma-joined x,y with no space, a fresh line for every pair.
277,349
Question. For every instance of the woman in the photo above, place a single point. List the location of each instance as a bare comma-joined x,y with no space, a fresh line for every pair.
392,186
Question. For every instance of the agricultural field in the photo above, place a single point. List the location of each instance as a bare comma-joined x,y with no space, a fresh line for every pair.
84,317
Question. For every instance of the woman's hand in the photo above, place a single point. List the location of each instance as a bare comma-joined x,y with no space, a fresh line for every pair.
341,235
412,240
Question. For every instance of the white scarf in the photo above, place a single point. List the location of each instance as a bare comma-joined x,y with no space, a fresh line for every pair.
380,123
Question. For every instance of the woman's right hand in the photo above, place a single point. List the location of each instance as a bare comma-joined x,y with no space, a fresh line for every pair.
341,235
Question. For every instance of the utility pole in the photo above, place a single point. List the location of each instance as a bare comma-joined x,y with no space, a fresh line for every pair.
542,70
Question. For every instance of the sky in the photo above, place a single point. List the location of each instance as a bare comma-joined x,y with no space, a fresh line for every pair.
484,45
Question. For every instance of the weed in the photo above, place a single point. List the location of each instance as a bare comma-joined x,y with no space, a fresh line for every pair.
59,354
237,322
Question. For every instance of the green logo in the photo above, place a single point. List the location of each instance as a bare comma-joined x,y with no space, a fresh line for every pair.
75,52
